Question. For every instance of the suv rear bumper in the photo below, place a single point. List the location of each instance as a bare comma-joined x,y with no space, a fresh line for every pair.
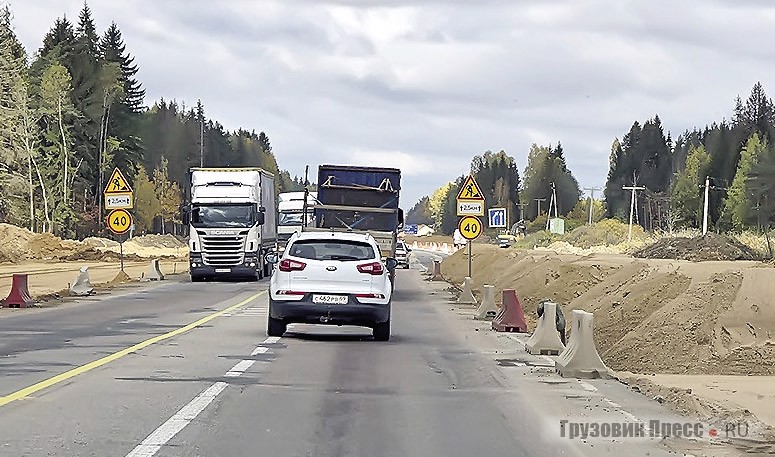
306,312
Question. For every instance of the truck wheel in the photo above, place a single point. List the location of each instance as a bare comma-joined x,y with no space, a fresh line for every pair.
382,331
275,327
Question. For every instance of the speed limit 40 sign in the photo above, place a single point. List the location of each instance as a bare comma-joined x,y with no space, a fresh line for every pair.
470,227
119,221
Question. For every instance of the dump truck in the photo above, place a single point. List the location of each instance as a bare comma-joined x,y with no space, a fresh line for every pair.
232,219
360,199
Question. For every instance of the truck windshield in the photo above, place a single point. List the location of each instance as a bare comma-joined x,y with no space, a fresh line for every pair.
223,216
290,219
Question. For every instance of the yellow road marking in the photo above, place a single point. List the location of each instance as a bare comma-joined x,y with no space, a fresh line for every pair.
19,394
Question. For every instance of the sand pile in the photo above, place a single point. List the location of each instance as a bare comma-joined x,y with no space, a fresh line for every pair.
18,244
706,247
651,315
158,241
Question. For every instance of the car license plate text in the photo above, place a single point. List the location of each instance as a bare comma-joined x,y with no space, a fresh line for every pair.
330,299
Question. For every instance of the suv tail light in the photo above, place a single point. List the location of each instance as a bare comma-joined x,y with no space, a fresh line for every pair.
373,268
292,265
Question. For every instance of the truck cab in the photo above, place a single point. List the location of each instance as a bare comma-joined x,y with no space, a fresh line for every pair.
293,214
232,219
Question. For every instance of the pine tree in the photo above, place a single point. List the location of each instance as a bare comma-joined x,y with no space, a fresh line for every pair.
124,122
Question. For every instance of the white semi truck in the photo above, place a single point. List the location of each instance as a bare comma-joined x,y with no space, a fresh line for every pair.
291,214
232,218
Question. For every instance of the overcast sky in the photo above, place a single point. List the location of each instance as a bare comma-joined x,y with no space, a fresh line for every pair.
426,84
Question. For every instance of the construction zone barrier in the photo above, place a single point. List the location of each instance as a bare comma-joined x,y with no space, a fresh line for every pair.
488,309
155,274
82,285
581,359
19,297
436,276
511,317
545,339
467,295
560,321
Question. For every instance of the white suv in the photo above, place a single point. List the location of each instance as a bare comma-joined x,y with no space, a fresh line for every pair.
333,278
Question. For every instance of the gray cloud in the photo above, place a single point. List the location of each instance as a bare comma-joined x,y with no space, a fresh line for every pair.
426,84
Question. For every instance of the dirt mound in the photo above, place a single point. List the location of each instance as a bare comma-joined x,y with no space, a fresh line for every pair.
19,244
651,315
96,242
604,233
158,241
701,248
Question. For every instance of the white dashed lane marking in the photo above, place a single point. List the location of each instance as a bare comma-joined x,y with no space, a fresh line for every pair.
166,431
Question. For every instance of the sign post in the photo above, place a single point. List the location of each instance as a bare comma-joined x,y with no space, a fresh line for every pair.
119,197
470,204
470,227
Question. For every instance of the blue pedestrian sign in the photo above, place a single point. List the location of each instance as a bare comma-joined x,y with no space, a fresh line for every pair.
497,217
410,229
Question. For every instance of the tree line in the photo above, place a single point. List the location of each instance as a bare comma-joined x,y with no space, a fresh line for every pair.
735,157
501,184
75,109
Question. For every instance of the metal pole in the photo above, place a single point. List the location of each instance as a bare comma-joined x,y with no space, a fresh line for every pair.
705,207
121,251
469,259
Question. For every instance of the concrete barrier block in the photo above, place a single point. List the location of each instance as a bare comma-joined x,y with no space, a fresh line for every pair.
154,273
82,285
581,359
545,339
488,309
467,295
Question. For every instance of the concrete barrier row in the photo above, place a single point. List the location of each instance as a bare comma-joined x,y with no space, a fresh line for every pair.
579,359
20,297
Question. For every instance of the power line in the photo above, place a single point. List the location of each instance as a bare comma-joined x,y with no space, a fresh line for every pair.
591,200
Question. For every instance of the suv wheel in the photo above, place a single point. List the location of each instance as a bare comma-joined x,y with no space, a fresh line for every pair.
275,327
382,331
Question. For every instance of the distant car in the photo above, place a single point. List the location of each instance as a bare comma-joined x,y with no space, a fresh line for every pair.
331,278
403,254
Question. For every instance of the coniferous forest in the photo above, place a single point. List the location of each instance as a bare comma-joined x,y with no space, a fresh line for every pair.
74,109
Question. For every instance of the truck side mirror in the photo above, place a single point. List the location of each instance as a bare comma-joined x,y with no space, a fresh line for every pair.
260,218
185,216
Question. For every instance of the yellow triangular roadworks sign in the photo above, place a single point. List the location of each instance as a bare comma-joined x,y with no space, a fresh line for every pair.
470,190
117,183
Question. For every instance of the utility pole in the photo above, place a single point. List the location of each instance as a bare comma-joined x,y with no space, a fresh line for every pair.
591,200
522,210
538,201
632,189
201,141
552,201
705,206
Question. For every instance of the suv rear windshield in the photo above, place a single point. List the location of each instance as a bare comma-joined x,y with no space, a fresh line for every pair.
332,250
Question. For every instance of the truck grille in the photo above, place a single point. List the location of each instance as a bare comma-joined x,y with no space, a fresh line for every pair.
223,251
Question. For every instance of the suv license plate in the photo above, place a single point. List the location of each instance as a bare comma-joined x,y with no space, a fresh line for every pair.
223,270
330,299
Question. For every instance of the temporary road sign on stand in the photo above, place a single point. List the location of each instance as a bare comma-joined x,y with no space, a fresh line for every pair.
119,221
497,217
470,201
118,192
470,227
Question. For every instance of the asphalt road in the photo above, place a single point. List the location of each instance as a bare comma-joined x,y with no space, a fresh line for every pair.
128,376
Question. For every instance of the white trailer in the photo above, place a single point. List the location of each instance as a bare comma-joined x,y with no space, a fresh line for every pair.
291,214
232,218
